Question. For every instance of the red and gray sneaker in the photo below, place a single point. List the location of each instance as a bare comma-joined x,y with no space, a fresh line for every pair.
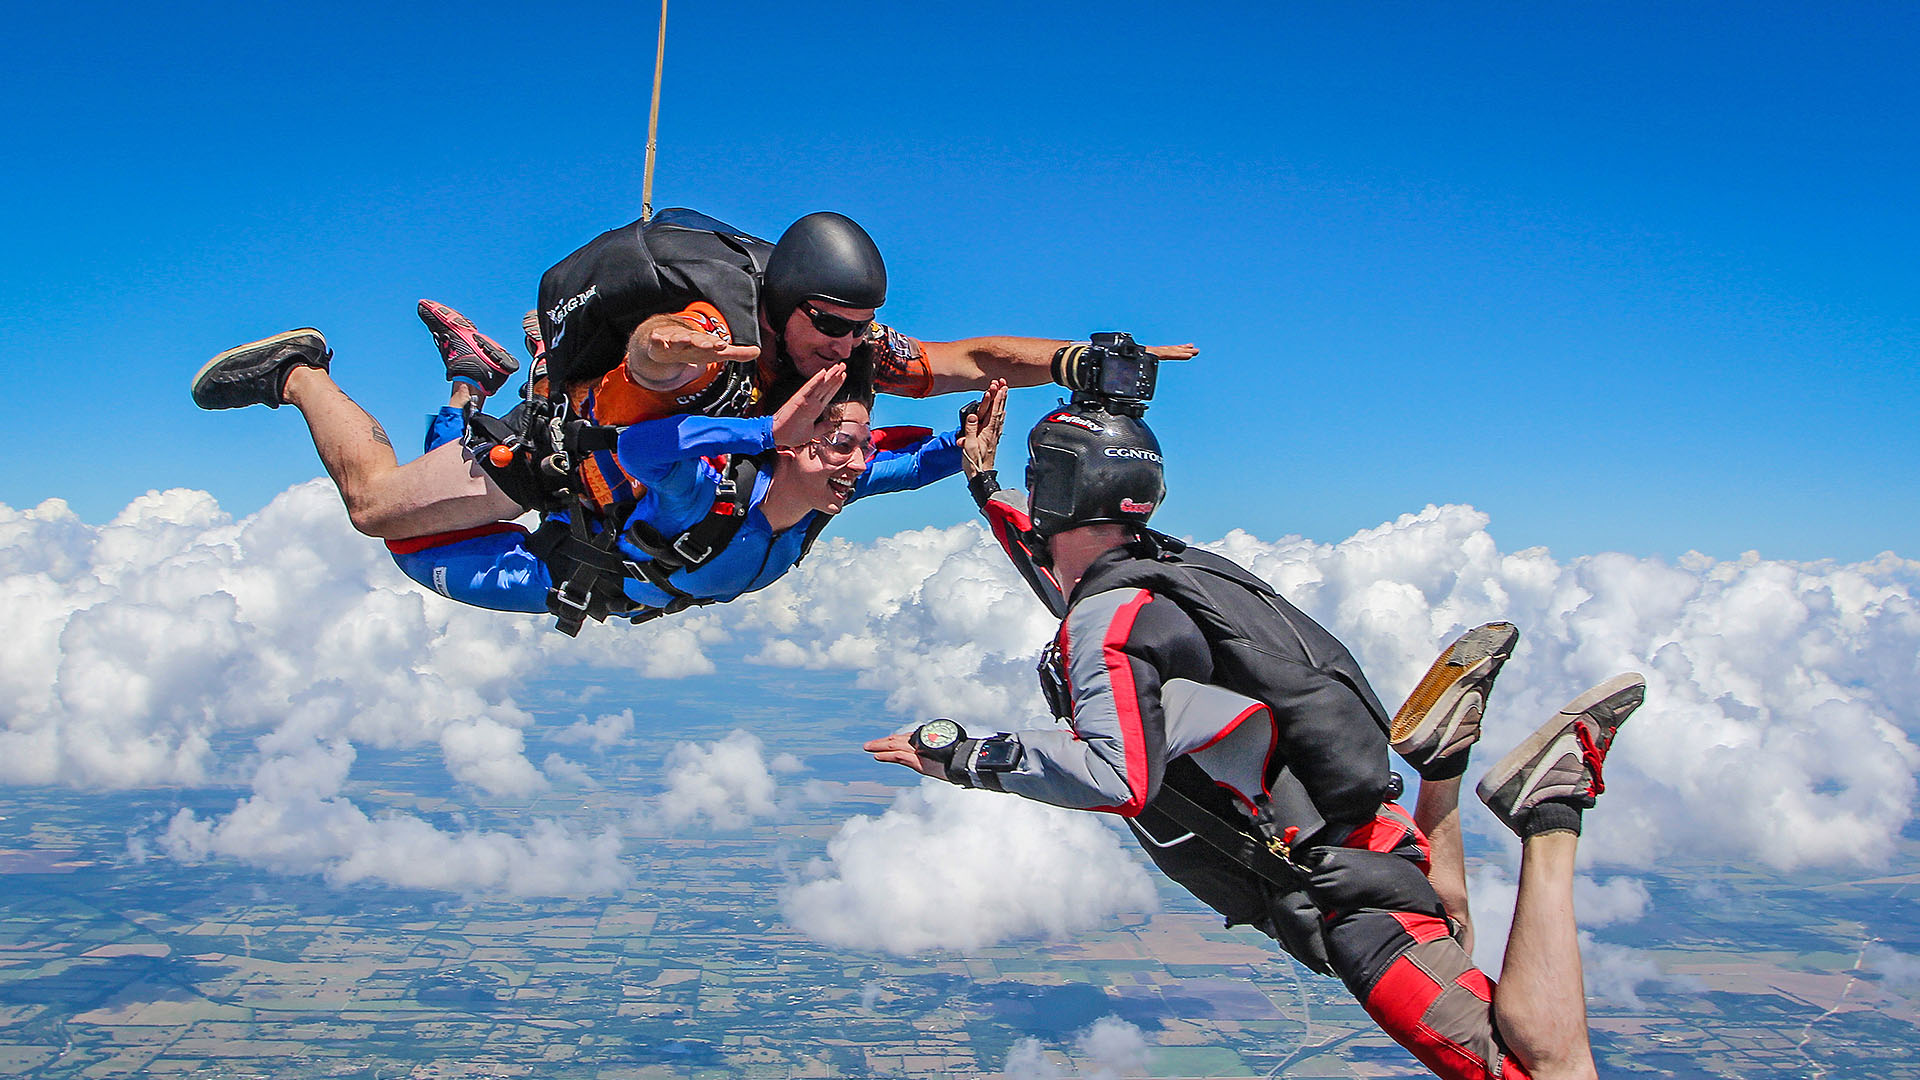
1441,720
468,353
1563,759
256,373
530,324
536,348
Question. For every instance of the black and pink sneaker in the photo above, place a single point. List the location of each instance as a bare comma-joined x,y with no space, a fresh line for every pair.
468,353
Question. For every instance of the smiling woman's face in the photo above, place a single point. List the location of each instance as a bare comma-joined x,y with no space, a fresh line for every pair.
824,470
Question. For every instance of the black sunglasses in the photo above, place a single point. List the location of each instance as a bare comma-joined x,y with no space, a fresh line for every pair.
833,325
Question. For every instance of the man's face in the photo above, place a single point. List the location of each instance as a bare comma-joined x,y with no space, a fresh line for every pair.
812,350
824,470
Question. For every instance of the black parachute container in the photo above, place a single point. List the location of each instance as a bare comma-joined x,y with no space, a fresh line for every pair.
591,300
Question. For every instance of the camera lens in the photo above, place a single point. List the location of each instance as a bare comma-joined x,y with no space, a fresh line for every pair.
1072,370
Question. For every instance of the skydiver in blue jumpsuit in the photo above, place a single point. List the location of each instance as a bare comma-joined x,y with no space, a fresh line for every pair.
821,460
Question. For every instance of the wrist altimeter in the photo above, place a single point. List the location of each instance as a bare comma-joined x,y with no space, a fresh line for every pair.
937,739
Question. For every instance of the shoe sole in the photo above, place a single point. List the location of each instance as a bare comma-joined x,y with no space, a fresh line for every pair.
1471,661
193,387
1619,695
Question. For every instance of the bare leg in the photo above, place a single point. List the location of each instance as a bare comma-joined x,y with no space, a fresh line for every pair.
1540,1005
1437,813
1435,730
438,492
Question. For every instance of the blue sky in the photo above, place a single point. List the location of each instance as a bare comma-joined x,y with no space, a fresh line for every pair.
1632,277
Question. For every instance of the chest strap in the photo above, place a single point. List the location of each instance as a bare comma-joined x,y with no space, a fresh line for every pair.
708,537
588,567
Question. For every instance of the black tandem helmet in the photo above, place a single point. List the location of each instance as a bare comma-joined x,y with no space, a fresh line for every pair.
823,256
1086,466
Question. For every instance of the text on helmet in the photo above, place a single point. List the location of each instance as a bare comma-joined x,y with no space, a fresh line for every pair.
1075,419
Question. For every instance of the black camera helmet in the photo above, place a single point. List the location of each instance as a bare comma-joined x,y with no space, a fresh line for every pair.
1086,466
823,256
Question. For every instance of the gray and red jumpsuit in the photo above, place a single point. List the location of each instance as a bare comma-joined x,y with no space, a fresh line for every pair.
1176,668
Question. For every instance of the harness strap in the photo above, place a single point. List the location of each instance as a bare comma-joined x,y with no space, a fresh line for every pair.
732,393
543,443
587,567
1234,843
588,571
578,565
706,538
814,528
585,436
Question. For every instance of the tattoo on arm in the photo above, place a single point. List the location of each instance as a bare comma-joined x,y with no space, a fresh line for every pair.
380,435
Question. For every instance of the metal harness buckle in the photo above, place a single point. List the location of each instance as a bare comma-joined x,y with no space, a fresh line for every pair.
1282,845
561,459
692,558
563,595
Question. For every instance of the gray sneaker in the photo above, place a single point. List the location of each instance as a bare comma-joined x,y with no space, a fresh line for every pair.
256,373
1441,719
1562,760
530,323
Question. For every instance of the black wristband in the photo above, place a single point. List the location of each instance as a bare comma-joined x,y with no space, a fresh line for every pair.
957,764
983,485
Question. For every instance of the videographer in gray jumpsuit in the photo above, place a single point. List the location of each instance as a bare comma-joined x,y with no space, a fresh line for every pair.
1249,756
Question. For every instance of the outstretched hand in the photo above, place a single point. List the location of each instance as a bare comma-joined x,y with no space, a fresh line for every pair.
1175,352
897,750
980,429
665,352
804,417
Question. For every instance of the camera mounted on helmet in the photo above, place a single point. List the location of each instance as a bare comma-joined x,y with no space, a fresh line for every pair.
1111,372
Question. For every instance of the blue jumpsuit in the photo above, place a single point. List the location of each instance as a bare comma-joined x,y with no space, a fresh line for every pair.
496,570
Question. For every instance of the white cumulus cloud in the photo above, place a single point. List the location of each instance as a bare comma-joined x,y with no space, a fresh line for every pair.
1112,1048
567,773
726,784
491,756
949,868
139,650
1028,1060
137,647
600,733
296,822
1780,692
1898,968
1108,1050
